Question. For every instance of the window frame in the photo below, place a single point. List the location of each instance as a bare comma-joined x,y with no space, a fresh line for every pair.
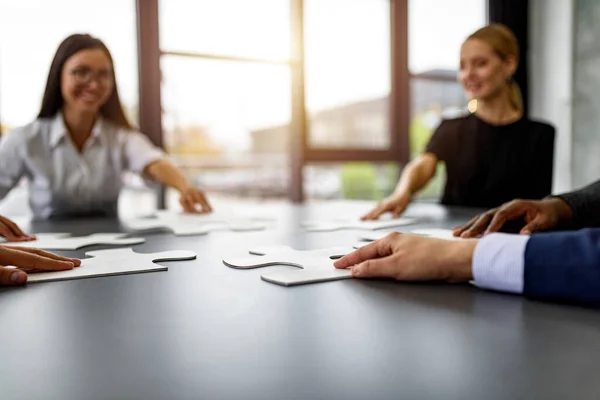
300,152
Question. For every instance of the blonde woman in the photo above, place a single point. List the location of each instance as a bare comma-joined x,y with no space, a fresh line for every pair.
492,155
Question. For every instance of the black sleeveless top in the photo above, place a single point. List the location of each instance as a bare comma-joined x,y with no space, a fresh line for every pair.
488,165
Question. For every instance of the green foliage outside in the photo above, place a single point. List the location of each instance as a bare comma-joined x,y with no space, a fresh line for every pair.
369,181
420,134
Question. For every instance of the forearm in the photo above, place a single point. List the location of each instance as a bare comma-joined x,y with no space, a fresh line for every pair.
415,176
585,205
165,173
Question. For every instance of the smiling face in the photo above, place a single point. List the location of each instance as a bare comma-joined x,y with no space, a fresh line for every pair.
482,72
87,80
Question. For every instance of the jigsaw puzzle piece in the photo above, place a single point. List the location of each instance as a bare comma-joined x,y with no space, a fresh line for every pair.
113,262
189,225
64,241
313,265
327,226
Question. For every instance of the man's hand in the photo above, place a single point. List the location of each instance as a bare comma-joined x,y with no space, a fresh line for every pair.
30,260
539,215
412,258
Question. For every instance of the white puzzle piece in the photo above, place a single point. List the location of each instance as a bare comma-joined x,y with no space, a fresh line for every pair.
192,224
113,262
433,232
336,225
317,265
215,216
64,241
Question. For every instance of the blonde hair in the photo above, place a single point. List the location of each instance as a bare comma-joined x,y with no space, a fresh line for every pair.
505,45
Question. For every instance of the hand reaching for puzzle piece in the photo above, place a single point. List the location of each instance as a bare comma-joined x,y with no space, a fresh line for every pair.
316,265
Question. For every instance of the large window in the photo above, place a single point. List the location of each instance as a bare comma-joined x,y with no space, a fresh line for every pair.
348,99
227,71
228,78
30,32
354,78
348,73
226,93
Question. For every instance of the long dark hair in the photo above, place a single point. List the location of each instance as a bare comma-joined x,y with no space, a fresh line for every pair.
53,99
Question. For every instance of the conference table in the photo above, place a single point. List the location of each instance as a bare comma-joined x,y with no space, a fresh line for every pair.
204,330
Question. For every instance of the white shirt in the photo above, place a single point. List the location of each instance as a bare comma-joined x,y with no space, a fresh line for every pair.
499,262
63,181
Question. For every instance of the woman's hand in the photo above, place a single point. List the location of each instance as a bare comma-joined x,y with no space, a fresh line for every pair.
12,232
30,260
194,201
191,199
396,204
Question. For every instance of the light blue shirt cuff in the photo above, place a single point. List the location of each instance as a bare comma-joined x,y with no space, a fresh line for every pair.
499,262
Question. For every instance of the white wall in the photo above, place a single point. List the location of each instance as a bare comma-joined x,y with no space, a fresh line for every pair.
551,37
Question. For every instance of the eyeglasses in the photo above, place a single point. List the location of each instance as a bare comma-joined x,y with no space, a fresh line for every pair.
84,76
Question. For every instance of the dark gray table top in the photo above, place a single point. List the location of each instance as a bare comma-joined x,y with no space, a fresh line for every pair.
202,330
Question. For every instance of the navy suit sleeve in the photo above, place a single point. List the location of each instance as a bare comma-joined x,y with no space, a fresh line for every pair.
564,266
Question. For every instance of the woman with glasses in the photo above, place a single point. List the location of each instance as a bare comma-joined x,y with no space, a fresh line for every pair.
75,152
